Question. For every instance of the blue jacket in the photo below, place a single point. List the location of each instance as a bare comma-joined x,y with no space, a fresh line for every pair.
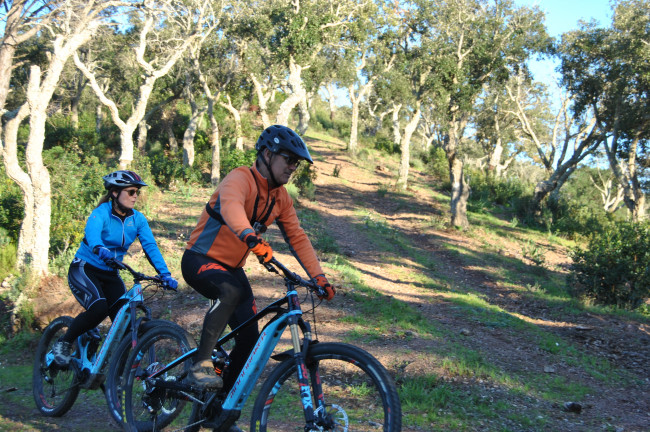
105,229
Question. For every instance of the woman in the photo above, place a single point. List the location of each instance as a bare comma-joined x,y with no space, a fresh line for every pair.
109,232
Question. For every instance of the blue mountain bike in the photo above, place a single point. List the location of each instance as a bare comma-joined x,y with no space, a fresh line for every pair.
94,364
315,387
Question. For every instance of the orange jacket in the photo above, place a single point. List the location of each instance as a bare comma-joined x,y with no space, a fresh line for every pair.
220,235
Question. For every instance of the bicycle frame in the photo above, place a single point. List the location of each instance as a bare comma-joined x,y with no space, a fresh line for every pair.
95,364
259,357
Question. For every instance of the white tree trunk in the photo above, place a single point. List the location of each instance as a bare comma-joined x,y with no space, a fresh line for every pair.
459,194
263,99
303,116
331,99
296,93
188,136
354,121
215,173
397,136
409,129
234,112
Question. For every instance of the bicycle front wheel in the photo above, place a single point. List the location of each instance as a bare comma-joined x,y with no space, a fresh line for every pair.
146,407
113,384
357,394
55,388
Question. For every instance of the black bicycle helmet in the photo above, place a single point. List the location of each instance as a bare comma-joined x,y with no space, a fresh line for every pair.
277,138
121,179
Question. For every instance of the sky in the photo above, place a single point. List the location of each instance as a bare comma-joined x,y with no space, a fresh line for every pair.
563,16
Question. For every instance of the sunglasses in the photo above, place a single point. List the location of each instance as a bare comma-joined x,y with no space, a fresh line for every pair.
132,192
291,160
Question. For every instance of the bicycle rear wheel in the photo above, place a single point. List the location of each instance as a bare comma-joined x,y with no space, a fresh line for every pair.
114,383
147,408
358,394
55,388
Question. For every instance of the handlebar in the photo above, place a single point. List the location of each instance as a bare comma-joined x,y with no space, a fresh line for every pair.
274,265
137,276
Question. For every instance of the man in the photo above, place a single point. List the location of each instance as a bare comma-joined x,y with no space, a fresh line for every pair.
240,209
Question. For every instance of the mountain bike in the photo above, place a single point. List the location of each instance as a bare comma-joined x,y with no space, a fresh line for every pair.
315,387
93,364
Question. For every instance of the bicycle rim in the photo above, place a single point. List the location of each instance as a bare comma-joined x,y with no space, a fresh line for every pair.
148,408
115,376
358,394
55,389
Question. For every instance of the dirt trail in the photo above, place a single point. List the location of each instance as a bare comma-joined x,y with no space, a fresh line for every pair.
625,344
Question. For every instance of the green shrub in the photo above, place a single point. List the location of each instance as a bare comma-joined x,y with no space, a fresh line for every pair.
436,161
7,254
12,210
76,184
233,158
386,145
501,191
615,267
303,178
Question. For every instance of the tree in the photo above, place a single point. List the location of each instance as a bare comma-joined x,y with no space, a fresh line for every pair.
607,71
22,19
471,43
560,145
76,23
162,32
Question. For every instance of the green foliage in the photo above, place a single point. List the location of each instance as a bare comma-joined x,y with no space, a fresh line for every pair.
165,169
233,158
76,188
60,132
436,162
500,191
303,178
7,254
338,127
614,269
386,145
12,208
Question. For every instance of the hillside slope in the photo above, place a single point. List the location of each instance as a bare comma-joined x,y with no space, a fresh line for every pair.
474,326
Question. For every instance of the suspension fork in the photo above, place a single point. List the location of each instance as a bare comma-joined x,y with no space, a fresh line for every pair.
296,324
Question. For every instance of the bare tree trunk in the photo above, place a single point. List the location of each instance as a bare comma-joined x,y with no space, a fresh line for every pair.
143,129
331,99
263,98
190,133
74,103
295,93
234,112
99,118
303,117
409,129
459,187
397,136
459,194
215,173
626,175
354,122
611,192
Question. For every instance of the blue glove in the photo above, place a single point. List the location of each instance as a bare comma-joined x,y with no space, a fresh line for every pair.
169,282
103,253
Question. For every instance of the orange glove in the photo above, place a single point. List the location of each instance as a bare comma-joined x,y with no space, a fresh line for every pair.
259,247
328,290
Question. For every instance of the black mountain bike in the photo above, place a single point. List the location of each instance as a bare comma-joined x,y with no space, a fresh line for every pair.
94,364
315,387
